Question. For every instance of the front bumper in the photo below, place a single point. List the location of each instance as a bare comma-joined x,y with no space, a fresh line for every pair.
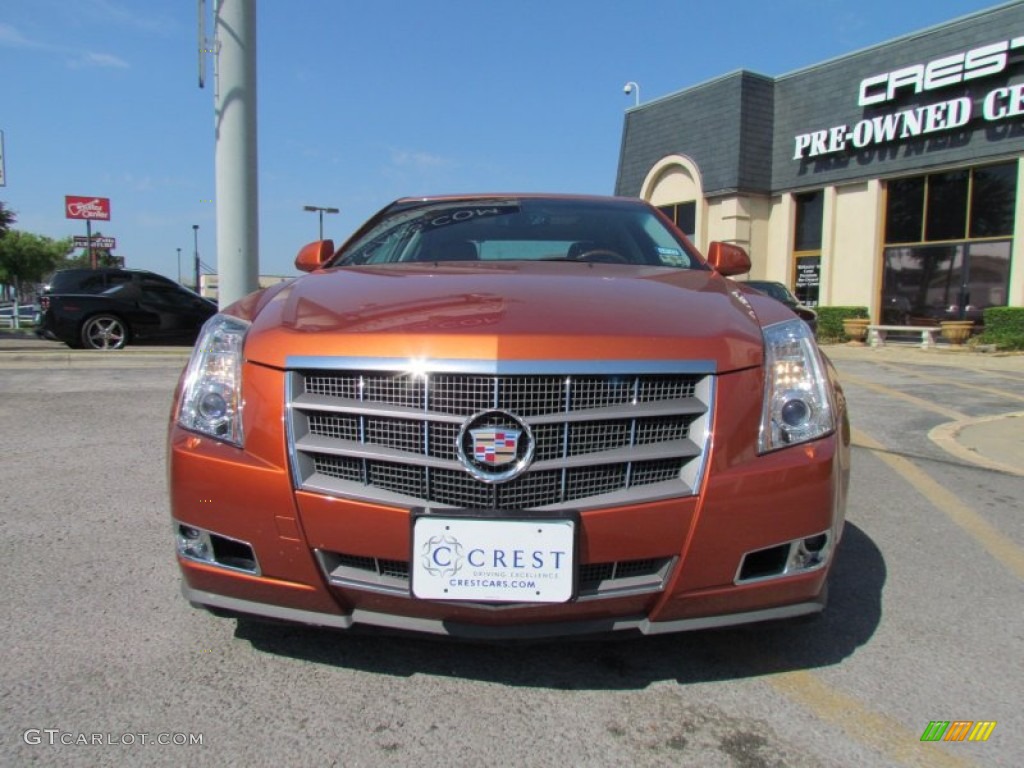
642,624
786,496
693,549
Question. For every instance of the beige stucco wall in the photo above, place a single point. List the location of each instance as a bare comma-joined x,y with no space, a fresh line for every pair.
851,246
674,185
676,179
778,261
1016,296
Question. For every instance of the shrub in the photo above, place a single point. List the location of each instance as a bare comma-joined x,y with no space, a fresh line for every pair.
1004,327
830,322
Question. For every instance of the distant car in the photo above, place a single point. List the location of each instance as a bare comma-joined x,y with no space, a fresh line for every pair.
509,416
781,293
110,308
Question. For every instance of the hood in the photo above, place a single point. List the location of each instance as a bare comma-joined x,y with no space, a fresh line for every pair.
509,311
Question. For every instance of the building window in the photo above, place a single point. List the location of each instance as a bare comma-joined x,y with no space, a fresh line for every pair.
683,215
810,209
948,240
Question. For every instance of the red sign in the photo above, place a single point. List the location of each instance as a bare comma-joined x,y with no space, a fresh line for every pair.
87,207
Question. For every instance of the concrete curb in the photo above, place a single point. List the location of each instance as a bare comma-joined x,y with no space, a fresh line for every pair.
947,356
989,441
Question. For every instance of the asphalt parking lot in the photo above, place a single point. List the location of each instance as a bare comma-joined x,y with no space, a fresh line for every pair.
103,657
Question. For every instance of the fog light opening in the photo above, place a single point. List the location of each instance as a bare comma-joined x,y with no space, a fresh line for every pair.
194,543
816,543
233,554
207,547
763,563
787,559
808,553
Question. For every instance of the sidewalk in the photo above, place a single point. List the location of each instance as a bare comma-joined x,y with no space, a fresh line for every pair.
27,350
993,442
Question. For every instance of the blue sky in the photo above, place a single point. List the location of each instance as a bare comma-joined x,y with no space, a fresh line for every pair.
364,102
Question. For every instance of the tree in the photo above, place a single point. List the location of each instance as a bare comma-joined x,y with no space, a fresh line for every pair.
28,258
7,218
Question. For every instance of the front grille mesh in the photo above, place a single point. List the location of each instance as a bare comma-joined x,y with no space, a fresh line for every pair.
392,436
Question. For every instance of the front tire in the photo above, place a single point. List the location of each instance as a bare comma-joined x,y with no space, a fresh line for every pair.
104,332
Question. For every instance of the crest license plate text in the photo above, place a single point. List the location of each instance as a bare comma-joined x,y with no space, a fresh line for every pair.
529,561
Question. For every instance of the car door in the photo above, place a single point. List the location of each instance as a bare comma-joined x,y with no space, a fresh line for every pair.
181,313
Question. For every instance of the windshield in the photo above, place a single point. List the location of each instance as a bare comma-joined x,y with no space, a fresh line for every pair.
522,229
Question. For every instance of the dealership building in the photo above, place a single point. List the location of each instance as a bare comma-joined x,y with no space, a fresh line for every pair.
892,177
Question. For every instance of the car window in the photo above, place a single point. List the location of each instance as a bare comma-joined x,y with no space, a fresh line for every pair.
524,229
159,281
94,283
167,296
118,278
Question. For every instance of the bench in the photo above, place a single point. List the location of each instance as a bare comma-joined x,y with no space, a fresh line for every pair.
878,333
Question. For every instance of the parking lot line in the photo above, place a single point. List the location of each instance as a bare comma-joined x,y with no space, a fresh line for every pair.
898,744
950,381
994,542
928,405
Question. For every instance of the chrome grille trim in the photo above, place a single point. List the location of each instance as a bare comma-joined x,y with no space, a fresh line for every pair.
500,367
596,580
388,435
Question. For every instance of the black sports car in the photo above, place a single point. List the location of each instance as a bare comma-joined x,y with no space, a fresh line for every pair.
109,308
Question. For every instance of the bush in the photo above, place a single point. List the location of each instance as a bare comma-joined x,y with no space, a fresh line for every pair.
830,322
1004,327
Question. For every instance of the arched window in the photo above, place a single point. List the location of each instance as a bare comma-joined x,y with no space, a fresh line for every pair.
674,185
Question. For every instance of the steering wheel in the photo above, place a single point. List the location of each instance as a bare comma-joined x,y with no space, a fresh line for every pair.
603,256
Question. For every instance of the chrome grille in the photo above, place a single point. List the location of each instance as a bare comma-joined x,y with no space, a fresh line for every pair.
390,435
595,579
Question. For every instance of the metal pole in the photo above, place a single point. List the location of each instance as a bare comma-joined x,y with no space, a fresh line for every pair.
88,236
195,236
178,276
236,156
320,209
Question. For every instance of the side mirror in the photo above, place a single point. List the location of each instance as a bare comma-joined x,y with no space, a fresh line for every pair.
312,256
727,259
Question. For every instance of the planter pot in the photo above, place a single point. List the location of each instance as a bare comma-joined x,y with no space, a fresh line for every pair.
856,328
956,332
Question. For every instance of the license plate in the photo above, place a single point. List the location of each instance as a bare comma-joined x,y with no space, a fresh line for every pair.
493,560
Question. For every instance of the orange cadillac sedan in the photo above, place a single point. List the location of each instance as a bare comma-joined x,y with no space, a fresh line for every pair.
509,416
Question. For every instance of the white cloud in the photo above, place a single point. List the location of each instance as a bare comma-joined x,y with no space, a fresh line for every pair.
12,38
149,20
91,59
414,159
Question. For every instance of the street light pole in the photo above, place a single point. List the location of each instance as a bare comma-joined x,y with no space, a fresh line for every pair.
178,276
321,210
633,87
195,236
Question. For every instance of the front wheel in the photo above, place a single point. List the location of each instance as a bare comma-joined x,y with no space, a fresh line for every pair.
104,332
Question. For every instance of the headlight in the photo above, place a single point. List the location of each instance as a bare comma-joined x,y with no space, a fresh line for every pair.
797,393
211,399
